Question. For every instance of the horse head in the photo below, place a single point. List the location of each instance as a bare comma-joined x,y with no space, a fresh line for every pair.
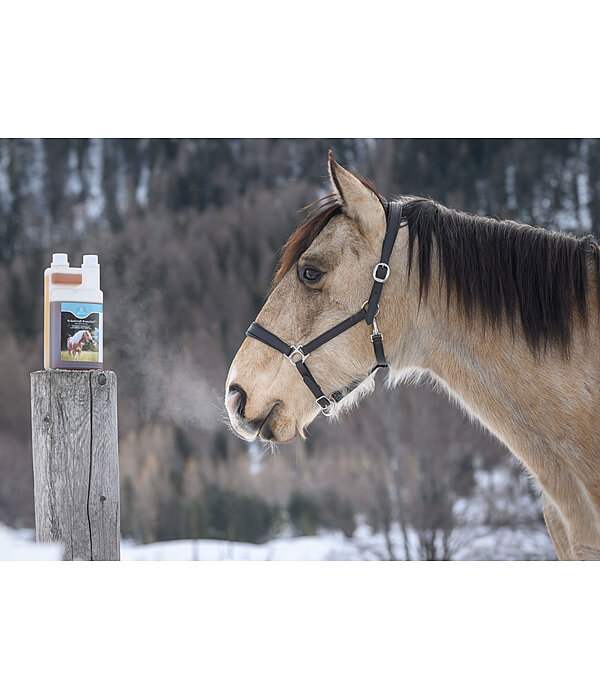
326,275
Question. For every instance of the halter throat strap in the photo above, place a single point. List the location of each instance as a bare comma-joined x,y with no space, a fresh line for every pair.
298,354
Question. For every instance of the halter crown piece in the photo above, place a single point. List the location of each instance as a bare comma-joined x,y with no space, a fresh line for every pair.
298,354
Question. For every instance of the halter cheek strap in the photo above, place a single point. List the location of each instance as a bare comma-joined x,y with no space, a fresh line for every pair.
298,354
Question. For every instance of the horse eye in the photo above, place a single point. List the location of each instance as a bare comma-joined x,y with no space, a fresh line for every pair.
310,274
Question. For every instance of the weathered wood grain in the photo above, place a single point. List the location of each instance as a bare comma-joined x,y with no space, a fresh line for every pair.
103,501
75,462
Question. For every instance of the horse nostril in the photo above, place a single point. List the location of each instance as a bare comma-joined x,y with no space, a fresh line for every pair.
236,400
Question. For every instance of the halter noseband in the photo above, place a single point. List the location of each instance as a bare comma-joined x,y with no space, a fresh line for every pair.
298,354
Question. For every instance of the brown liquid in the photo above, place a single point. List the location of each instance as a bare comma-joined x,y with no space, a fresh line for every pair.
55,361
46,322
66,278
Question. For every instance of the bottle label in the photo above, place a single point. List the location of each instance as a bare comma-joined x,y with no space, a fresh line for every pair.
80,332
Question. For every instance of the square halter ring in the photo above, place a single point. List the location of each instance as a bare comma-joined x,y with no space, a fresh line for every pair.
376,271
294,352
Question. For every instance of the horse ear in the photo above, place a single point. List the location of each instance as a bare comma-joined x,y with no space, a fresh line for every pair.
358,201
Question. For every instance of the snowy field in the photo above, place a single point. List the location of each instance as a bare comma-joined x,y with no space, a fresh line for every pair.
502,544
481,543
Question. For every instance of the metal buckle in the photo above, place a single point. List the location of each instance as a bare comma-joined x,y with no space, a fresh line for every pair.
328,409
387,272
376,333
296,350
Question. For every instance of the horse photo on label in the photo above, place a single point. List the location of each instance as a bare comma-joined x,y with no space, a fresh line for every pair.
75,343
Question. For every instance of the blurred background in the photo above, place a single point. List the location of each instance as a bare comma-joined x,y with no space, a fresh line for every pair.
188,232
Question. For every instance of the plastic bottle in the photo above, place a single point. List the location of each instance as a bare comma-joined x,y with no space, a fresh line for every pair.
73,314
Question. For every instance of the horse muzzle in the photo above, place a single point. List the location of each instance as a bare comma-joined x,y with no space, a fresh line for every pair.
268,426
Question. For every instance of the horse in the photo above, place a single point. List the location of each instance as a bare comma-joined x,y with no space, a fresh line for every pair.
502,315
75,343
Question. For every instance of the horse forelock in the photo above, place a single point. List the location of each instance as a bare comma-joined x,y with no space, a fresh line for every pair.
319,214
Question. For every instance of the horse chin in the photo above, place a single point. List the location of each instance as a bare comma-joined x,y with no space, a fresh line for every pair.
267,435
278,428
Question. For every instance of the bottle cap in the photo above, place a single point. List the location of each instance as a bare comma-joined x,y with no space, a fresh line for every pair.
60,259
90,261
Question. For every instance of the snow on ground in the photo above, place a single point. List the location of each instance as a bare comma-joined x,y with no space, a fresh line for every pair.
319,548
20,545
481,543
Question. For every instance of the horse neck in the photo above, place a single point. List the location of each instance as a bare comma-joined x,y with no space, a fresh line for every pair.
491,371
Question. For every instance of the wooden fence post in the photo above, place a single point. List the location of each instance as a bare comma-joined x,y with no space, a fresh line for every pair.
76,462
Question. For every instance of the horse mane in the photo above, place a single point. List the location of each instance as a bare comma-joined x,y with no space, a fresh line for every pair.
500,270
503,270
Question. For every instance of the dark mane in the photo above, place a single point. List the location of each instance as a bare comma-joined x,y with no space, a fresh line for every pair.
499,270
504,270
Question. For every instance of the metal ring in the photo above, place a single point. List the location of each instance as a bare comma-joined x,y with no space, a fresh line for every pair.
326,410
376,313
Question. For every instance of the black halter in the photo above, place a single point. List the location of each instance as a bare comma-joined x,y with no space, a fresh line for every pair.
298,354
